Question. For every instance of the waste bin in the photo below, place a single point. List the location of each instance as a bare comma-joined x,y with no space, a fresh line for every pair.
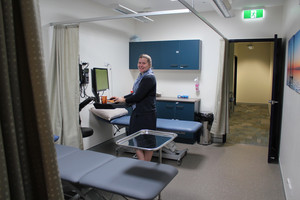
206,118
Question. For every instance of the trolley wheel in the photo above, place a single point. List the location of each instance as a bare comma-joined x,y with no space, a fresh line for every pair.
179,162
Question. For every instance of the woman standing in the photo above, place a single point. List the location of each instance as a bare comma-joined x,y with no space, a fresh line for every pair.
143,101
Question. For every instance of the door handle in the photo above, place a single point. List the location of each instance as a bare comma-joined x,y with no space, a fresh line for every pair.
272,102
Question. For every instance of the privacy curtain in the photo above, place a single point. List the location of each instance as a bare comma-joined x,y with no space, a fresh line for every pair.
63,85
220,124
28,166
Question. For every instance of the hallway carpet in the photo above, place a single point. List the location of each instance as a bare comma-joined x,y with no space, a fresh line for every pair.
249,124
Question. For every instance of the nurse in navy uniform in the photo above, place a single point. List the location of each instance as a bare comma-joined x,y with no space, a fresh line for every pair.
143,101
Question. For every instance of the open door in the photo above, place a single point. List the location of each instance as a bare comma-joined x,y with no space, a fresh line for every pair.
276,101
277,93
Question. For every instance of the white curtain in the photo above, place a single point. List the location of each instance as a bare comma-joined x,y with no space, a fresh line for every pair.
220,124
63,87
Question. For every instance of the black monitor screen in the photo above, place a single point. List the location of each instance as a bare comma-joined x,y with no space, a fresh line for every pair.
99,80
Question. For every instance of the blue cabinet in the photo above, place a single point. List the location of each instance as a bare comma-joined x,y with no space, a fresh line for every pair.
182,110
175,54
138,48
170,51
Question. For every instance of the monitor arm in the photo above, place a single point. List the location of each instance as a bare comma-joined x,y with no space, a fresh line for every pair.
86,102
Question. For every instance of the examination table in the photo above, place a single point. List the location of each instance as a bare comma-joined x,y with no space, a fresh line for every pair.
187,131
87,170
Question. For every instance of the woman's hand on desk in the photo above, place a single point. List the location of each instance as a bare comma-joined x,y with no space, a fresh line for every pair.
118,99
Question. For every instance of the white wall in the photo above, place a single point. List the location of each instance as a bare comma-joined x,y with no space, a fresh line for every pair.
104,47
102,44
238,28
172,27
174,82
289,147
106,42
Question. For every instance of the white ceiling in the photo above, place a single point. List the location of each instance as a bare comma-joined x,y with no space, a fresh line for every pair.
199,5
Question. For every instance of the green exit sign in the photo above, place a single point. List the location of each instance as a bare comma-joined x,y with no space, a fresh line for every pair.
254,14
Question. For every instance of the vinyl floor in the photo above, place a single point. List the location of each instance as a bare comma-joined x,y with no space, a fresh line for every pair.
236,170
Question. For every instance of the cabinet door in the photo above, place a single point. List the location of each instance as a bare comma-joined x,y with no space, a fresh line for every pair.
170,55
184,111
180,54
189,56
135,49
138,48
153,49
165,109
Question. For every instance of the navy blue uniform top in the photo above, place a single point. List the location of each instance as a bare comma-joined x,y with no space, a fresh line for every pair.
144,114
145,96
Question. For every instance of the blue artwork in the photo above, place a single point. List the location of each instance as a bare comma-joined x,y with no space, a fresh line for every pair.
293,69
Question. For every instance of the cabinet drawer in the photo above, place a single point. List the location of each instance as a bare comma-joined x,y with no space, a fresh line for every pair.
175,110
184,111
165,109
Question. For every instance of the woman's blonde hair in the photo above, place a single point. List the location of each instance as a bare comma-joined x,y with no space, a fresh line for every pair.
149,59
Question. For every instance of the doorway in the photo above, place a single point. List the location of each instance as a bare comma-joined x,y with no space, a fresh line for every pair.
255,79
252,88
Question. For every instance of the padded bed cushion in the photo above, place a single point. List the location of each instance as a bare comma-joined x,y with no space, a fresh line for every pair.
124,176
131,178
165,124
188,131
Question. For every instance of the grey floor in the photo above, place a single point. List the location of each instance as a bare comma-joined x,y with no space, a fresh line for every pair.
233,171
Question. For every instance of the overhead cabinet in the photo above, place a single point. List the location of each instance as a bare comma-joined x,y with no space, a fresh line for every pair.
174,54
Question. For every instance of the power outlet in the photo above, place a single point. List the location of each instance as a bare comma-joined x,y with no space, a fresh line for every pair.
288,180
106,64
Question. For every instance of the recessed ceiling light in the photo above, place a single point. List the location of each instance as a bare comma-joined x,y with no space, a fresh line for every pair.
250,46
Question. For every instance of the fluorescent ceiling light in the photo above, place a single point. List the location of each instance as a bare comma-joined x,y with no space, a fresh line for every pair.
124,10
224,7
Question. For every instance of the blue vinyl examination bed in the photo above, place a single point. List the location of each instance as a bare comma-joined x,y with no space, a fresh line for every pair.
187,131
89,171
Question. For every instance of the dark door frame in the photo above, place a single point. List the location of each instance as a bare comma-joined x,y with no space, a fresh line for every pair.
277,95
235,79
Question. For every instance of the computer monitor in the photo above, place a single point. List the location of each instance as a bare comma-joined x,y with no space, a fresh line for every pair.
99,81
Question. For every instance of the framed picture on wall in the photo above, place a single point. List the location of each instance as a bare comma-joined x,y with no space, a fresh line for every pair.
293,68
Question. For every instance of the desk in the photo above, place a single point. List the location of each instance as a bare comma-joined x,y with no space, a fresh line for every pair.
148,140
109,105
